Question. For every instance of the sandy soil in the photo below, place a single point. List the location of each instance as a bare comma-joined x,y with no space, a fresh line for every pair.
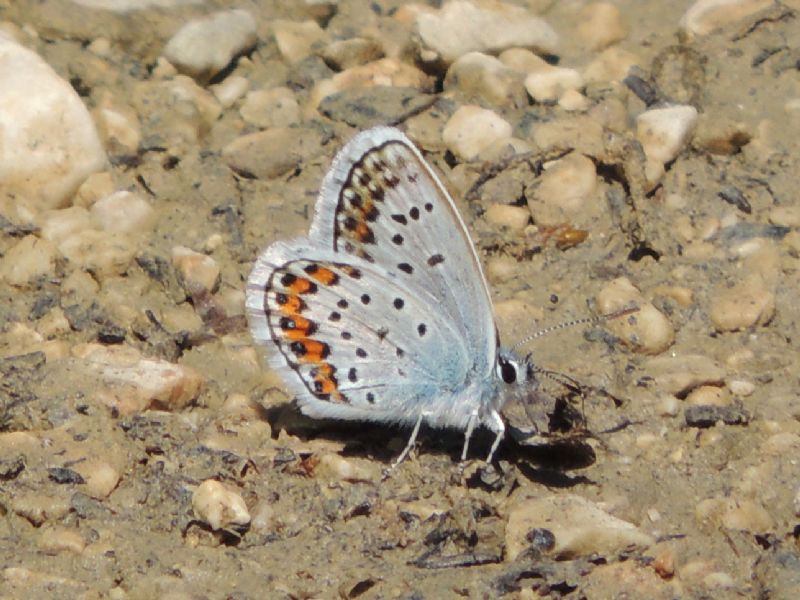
717,495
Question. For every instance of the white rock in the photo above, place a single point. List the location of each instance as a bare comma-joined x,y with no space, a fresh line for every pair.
118,124
566,191
205,46
704,16
601,24
333,466
297,40
678,375
219,506
647,331
613,64
99,252
57,225
343,54
48,142
480,75
100,478
54,540
579,526
461,27
549,83
386,71
573,101
125,381
515,218
197,271
230,90
473,129
28,260
123,212
663,132
748,303
276,107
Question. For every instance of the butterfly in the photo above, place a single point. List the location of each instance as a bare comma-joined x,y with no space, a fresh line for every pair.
383,313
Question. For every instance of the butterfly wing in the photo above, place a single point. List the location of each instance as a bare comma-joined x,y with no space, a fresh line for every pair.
352,340
381,202
383,313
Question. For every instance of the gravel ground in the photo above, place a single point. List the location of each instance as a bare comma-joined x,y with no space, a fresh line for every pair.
601,155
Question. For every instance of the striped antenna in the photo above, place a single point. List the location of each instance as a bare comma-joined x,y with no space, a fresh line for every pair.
585,321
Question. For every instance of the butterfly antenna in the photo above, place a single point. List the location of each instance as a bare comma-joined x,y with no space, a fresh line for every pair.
584,321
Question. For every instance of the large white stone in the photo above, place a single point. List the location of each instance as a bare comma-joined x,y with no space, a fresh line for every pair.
48,142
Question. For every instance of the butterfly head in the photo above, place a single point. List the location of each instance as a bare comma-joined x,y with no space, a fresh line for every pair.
517,375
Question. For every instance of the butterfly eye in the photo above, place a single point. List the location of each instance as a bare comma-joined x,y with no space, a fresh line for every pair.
508,372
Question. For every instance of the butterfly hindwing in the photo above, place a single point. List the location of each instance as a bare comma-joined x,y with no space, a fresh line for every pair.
357,343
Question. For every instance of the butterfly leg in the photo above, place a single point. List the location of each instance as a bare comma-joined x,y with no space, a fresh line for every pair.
497,426
411,441
473,419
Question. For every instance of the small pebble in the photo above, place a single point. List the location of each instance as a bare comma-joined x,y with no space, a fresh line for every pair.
57,225
130,384
124,212
500,269
749,303
102,253
613,64
719,581
205,46
96,186
581,133
746,515
389,72
705,16
679,375
55,540
272,153
781,444
297,40
336,467
573,101
472,129
230,90
741,387
601,24
663,133
549,83
100,478
219,506
708,395
647,331
28,260
482,76
514,218
567,192
198,272
343,54
461,26
119,126
276,107
668,405
580,527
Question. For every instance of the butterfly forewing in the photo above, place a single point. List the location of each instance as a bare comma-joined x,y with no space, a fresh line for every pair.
381,202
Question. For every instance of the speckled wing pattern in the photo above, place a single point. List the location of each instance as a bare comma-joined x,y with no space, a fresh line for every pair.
383,312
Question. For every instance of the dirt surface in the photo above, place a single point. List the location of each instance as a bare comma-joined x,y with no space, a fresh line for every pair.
714,483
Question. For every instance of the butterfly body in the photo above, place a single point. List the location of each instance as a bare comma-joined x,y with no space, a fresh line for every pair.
382,313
